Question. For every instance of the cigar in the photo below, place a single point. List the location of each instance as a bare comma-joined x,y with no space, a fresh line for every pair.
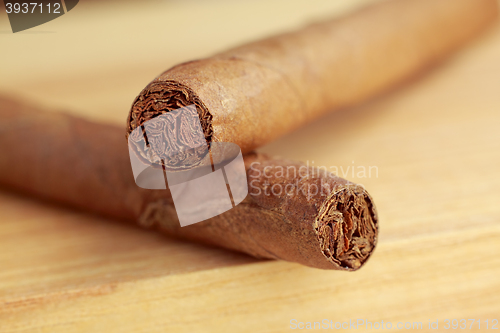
293,212
252,94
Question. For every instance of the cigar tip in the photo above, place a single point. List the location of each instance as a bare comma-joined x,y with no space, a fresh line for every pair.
160,97
347,227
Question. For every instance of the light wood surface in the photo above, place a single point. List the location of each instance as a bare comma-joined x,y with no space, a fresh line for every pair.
434,145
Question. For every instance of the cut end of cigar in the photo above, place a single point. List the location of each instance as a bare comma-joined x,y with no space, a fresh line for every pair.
161,97
347,227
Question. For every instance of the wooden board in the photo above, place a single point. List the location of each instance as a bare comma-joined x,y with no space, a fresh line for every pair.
433,146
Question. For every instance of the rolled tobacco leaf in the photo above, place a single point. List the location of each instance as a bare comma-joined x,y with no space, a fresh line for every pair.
292,212
257,92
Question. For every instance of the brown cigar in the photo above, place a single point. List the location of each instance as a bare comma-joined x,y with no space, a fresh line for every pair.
293,212
257,92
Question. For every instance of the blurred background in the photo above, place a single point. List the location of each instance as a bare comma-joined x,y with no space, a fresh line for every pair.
434,143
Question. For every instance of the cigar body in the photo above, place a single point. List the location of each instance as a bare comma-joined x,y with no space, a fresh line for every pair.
257,92
249,95
292,212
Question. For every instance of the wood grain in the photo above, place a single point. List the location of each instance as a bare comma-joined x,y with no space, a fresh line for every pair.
434,142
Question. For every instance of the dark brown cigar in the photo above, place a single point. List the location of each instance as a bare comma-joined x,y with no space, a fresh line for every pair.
292,212
252,94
